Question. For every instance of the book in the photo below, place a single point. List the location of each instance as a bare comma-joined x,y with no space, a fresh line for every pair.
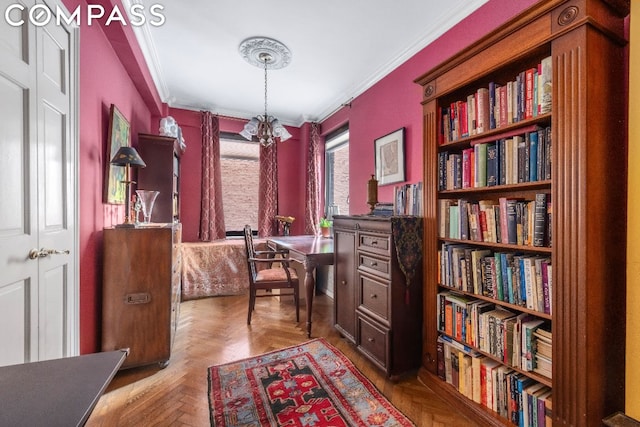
548,411
542,365
492,105
541,399
521,383
463,218
465,385
486,381
476,393
440,358
480,154
527,329
545,85
540,220
492,165
533,156
547,153
454,224
448,375
528,405
482,110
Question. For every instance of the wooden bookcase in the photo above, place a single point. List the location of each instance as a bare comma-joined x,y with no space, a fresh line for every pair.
587,188
162,173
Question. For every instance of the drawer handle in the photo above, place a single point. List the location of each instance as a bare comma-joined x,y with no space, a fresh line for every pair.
373,264
344,282
140,298
370,340
374,296
374,242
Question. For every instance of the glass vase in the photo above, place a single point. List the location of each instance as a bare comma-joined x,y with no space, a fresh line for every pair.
147,199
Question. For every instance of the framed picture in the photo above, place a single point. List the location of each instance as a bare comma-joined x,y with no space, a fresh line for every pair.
114,189
389,152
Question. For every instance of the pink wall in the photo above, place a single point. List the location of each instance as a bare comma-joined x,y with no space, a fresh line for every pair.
394,102
290,175
104,79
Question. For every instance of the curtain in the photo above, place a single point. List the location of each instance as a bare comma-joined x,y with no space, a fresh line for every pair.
211,212
268,191
312,193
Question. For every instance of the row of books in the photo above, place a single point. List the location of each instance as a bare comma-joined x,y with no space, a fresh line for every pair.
523,280
507,220
543,349
498,105
507,336
408,199
513,395
506,161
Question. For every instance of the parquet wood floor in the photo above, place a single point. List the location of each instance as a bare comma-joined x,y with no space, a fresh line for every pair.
213,331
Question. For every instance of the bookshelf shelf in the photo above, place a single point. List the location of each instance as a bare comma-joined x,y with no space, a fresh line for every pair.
524,186
505,246
580,261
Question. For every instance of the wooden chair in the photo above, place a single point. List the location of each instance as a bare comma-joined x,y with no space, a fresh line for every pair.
269,278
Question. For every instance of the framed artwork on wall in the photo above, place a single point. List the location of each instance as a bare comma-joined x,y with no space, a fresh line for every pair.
119,131
389,155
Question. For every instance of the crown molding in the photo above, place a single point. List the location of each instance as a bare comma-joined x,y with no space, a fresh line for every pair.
149,51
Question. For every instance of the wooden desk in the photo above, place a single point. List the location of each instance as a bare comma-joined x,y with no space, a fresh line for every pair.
310,251
60,392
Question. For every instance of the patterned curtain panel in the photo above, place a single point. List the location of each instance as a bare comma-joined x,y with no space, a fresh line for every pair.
268,191
211,212
312,207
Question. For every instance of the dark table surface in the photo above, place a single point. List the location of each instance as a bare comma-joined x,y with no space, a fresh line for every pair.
59,392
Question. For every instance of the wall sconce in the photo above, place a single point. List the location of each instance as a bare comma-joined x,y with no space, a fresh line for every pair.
127,157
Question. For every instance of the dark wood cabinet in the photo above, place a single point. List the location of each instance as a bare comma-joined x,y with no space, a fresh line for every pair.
376,308
162,173
584,40
141,292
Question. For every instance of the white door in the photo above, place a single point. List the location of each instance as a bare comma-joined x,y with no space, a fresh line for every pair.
38,267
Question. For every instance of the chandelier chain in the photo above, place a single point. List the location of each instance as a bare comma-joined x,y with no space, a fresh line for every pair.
265,88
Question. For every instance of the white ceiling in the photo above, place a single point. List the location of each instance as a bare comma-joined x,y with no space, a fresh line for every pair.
339,49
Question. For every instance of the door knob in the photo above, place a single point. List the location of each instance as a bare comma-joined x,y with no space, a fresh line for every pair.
42,253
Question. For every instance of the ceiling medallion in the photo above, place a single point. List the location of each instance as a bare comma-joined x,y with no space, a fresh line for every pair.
254,49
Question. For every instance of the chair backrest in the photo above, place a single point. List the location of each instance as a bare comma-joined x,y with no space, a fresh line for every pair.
248,242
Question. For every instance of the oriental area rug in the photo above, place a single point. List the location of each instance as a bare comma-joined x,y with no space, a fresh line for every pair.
312,384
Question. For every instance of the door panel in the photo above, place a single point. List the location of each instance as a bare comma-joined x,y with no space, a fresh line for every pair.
54,57
18,187
14,332
15,146
14,41
38,295
55,206
53,318
54,169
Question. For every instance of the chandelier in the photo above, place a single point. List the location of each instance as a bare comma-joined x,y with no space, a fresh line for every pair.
270,54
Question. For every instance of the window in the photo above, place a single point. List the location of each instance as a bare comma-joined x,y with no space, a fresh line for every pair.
240,169
337,172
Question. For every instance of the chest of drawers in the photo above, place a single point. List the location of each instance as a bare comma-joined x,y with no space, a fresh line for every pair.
376,307
141,292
